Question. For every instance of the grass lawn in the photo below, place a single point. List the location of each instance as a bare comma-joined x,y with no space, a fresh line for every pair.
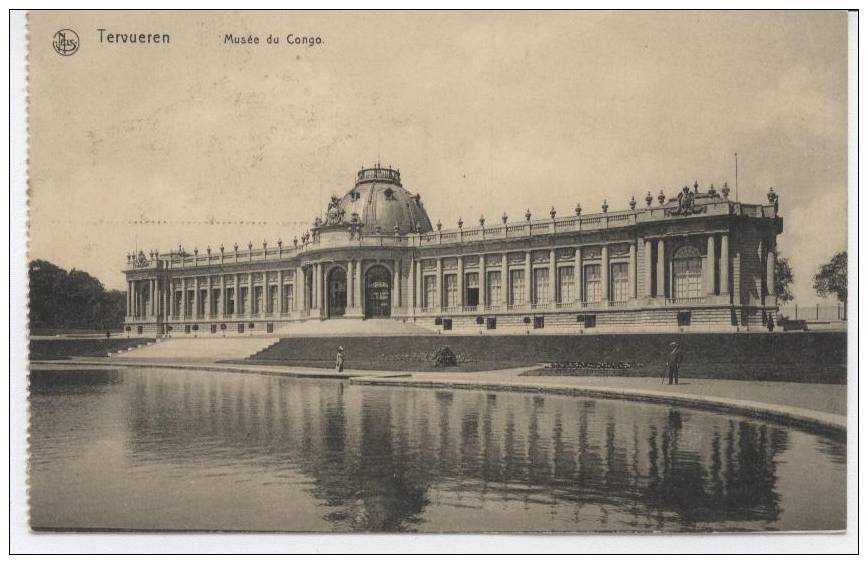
796,357
56,349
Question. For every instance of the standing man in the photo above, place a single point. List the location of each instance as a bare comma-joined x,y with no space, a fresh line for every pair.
674,362
339,360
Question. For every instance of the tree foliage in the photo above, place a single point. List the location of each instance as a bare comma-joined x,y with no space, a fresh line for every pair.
783,280
831,278
72,300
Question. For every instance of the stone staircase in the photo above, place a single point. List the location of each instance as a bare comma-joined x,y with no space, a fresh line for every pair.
353,328
199,349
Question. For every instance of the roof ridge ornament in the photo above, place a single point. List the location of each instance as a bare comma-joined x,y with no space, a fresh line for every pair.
687,202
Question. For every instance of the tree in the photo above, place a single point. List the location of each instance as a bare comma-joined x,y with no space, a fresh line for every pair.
783,280
72,300
831,278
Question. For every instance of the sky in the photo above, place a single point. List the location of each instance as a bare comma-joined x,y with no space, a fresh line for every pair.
198,142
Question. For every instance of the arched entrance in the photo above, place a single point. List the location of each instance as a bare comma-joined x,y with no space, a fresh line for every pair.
378,293
337,292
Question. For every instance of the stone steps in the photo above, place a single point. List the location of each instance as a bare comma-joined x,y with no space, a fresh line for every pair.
212,348
353,328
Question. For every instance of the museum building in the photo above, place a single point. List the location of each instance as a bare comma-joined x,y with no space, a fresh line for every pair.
695,262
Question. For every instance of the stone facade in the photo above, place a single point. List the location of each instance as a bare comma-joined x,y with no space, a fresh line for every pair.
700,262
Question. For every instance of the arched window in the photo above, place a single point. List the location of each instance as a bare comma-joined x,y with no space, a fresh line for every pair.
687,272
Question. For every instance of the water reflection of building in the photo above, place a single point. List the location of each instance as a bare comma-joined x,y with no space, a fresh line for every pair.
699,261
379,459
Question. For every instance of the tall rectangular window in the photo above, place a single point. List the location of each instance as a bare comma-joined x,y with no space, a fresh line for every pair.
287,298
230,301
189,309
593,289
516,286
566,284
541,285
202,301
272,299
620,282
495,290
430,293
179,298
243,300
450,287
471,289
214,306
258,299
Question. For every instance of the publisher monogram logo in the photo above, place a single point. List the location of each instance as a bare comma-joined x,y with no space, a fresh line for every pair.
65,42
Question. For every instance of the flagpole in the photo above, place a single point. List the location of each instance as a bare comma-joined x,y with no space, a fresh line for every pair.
736,176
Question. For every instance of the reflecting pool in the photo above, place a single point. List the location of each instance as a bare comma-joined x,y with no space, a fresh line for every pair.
172,449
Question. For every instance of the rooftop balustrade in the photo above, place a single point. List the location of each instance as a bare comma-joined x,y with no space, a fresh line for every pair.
324,239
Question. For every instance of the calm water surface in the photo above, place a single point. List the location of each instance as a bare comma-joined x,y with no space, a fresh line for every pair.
161,449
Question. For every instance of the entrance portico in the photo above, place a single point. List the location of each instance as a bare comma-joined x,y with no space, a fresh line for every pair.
337,292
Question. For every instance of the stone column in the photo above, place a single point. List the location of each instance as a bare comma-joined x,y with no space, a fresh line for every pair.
528,280
184,298
439,284
553,277
708,270
319,289
237,290
351,285
266,296
412,286
209,300
578,277
649,270
149,310
158,291
661,268
249,294
222,309
504,279
771,257
420,285
604,272
631,271
129,298
313,286
196,296
397,282
724,264
301,283
360,288
280,306
483,282
460,282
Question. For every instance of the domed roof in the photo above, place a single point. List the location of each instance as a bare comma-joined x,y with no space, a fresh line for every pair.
382,203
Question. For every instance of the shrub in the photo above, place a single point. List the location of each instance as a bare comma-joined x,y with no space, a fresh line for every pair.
444,357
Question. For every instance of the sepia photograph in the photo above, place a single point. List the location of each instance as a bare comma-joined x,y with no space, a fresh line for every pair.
502,272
